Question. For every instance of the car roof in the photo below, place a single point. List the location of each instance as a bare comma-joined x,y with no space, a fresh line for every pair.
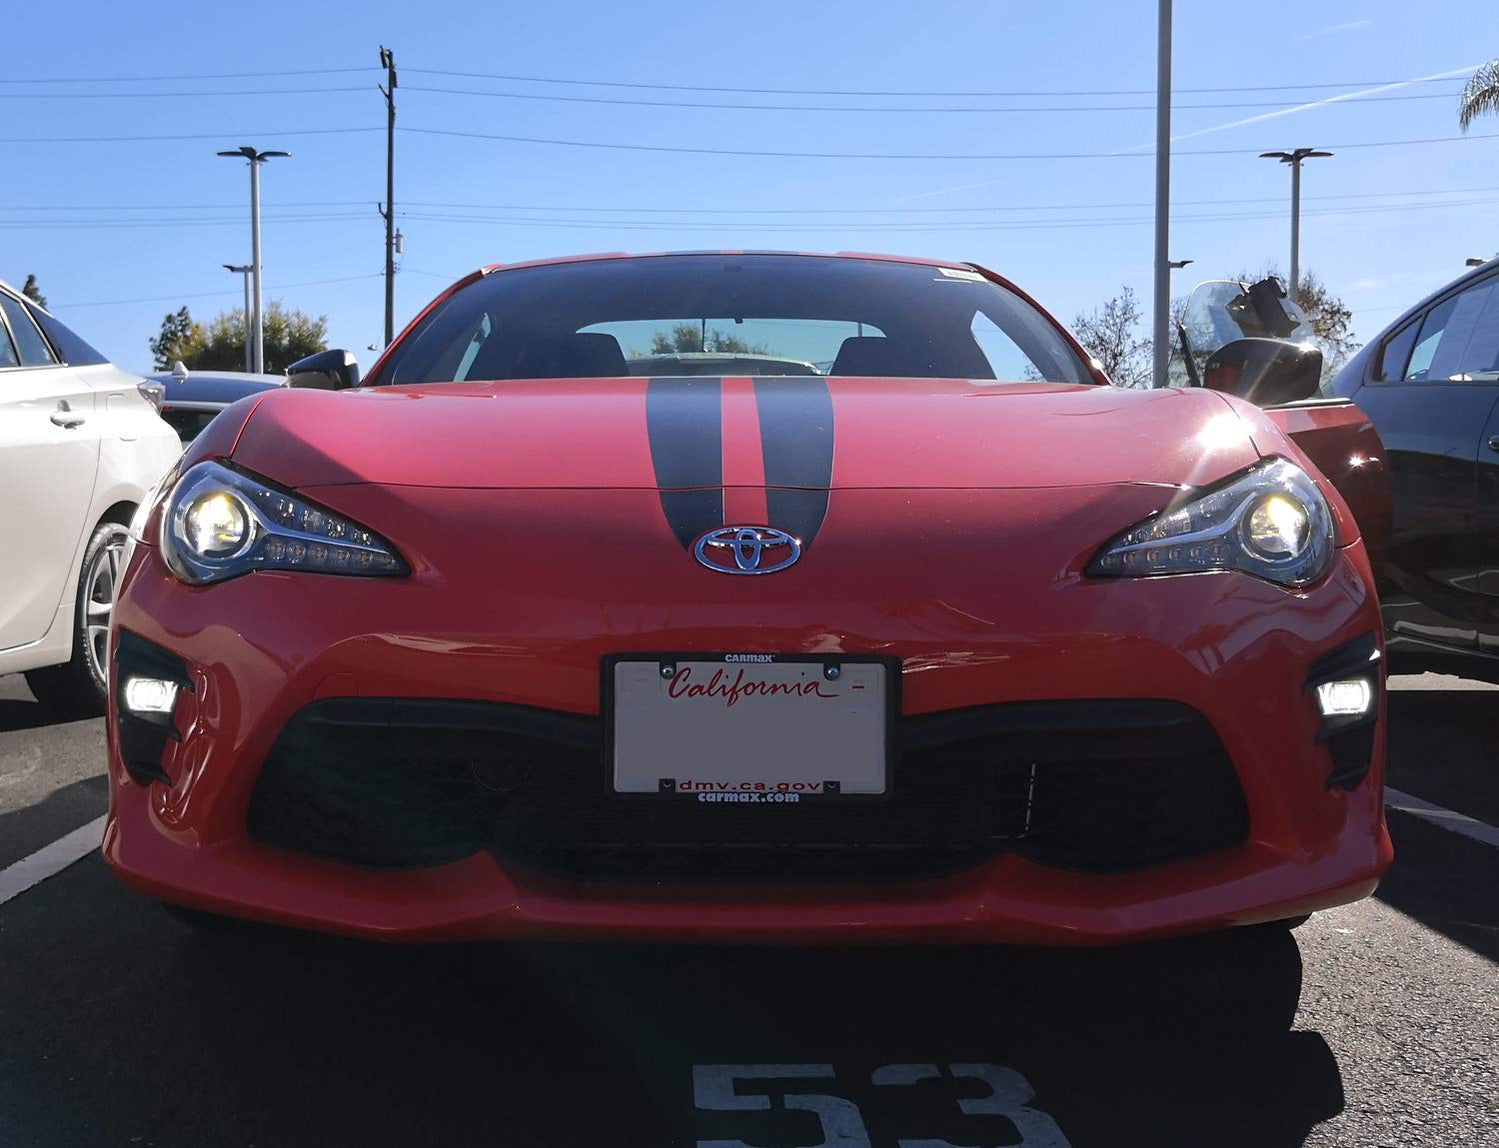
1472,275
19,294
222,376
609,255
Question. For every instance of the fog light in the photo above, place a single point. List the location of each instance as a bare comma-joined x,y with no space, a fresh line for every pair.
1345,698
150,695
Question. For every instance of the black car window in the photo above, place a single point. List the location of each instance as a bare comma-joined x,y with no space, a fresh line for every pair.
33,348
1478,361
1459,339
1396,352
734,314
8,357
74,351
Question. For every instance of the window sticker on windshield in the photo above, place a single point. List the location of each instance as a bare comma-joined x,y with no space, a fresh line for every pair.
961,273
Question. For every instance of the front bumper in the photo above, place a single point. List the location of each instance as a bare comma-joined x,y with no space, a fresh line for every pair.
260,650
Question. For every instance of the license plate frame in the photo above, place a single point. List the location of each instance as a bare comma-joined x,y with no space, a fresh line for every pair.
609,714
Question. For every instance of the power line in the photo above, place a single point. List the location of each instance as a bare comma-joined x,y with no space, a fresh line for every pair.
197,136
936,210
702,105
166,95
210,294
857,92
179,206
644,210
662,148
919,227
176,76
622,101
660,224
127,224
572,81
682,150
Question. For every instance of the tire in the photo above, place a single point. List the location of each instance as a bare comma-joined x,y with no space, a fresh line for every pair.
77,688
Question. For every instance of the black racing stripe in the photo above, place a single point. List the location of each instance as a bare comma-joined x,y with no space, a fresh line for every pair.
796,438
684,419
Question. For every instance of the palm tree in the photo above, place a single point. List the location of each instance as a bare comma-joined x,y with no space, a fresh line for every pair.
1480,96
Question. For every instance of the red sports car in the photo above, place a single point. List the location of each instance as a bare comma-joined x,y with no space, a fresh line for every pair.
936,638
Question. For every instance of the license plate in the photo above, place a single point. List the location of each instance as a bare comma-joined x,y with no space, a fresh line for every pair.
749,728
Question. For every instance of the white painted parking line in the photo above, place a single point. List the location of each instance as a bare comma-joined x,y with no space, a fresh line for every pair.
51,859
1450,819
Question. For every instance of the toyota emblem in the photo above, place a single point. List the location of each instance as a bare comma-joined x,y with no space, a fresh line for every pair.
747,550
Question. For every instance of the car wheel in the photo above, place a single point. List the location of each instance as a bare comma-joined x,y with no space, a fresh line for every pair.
77,687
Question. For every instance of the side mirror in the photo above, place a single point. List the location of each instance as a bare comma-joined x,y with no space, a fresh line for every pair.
325,371
1267,372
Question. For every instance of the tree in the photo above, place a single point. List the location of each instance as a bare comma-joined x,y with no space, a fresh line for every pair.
1112,334
686,338
1116,335
220,345
1331,320
1481,96
32,292
178,337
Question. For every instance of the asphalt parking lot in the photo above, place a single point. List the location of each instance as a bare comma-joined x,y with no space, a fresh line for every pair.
120,1026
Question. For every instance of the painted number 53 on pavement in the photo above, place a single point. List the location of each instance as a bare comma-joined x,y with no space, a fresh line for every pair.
715,1089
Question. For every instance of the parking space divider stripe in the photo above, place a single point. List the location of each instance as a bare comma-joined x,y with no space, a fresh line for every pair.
1449,819
51,859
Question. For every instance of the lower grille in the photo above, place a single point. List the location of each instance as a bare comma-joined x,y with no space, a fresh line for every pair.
1102,786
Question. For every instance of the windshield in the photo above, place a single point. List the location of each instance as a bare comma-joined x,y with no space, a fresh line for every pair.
738,315
1222,310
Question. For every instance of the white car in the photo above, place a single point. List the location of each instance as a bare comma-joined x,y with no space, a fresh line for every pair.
80,445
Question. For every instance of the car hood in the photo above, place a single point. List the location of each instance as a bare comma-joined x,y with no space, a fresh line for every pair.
700,433
215,389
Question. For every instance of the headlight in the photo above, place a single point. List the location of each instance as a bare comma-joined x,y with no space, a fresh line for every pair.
1271,521
219,523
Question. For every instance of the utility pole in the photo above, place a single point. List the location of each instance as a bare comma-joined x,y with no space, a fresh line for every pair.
1294,158
388,62
244,273
1160,327
256,158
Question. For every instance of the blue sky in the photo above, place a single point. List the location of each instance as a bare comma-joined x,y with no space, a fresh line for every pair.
110,221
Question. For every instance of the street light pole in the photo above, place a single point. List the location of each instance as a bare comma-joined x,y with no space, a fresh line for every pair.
1160,328
388,62
257,332
244,274
1294,158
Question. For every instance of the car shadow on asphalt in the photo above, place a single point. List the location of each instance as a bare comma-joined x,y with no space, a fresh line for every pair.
296,1039
30,827
19,710
16,715
1444,881
1444,747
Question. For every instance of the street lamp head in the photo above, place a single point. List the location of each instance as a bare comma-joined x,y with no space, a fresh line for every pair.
1296,156
252,155
1178,264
